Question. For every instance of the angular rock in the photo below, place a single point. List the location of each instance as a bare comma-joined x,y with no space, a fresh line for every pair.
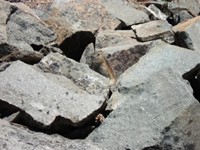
148,98
187,33
43,99
125,12
79,73
119,58
24,29
193,6
86,57
110,38
68,17
156,12
19,137
152,30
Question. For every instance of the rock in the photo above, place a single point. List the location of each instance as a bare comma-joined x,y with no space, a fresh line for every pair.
79,73
109,38
19,137
45,100
45,50
115,57
183,132
147,99
125,12
193,6
187,33
24,29
68,17
29,57
152,30
86,57
156,13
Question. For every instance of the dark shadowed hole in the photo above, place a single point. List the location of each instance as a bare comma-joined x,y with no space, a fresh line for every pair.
74,45
36,47
156,147
193,76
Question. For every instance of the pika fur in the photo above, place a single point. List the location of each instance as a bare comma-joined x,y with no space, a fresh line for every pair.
101,65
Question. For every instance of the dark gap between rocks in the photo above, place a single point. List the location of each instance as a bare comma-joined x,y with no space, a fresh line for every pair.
193,76
74,45
60,125
182,40
36,47
156,147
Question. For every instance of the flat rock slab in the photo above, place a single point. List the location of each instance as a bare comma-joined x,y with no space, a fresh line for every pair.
17,137
44,99
125,12
187,33
152,30
146,109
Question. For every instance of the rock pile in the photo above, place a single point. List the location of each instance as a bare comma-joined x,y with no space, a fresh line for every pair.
111,74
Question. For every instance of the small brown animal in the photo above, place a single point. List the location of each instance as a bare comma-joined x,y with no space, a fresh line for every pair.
101,65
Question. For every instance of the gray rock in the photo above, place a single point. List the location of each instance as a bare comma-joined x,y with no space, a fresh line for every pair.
187,33
152,30
193,6
17,137
86,56
24,29
44,99
156,12
125,12
119,58
147,108
68,17
110,38
79,73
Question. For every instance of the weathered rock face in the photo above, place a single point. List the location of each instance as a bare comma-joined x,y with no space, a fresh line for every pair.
110,38
18,137
187,33
21,27
148,98
152,30
80,74
124,12
115,55
47,101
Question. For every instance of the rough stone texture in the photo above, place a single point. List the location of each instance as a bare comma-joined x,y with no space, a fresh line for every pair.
24,29
29,57
86,56
4,11
193,6
152,30
44,99
156,12
17,137
120,58
148,98
125,12
79,73
187,33
110,38
67,17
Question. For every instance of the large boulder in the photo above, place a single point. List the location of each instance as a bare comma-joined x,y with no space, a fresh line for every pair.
69,17
187,33
149,99
46,99
125,12
14,136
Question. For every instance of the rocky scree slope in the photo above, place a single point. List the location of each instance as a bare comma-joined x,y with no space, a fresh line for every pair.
110,74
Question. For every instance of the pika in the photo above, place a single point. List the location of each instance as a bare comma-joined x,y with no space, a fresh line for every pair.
101,65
